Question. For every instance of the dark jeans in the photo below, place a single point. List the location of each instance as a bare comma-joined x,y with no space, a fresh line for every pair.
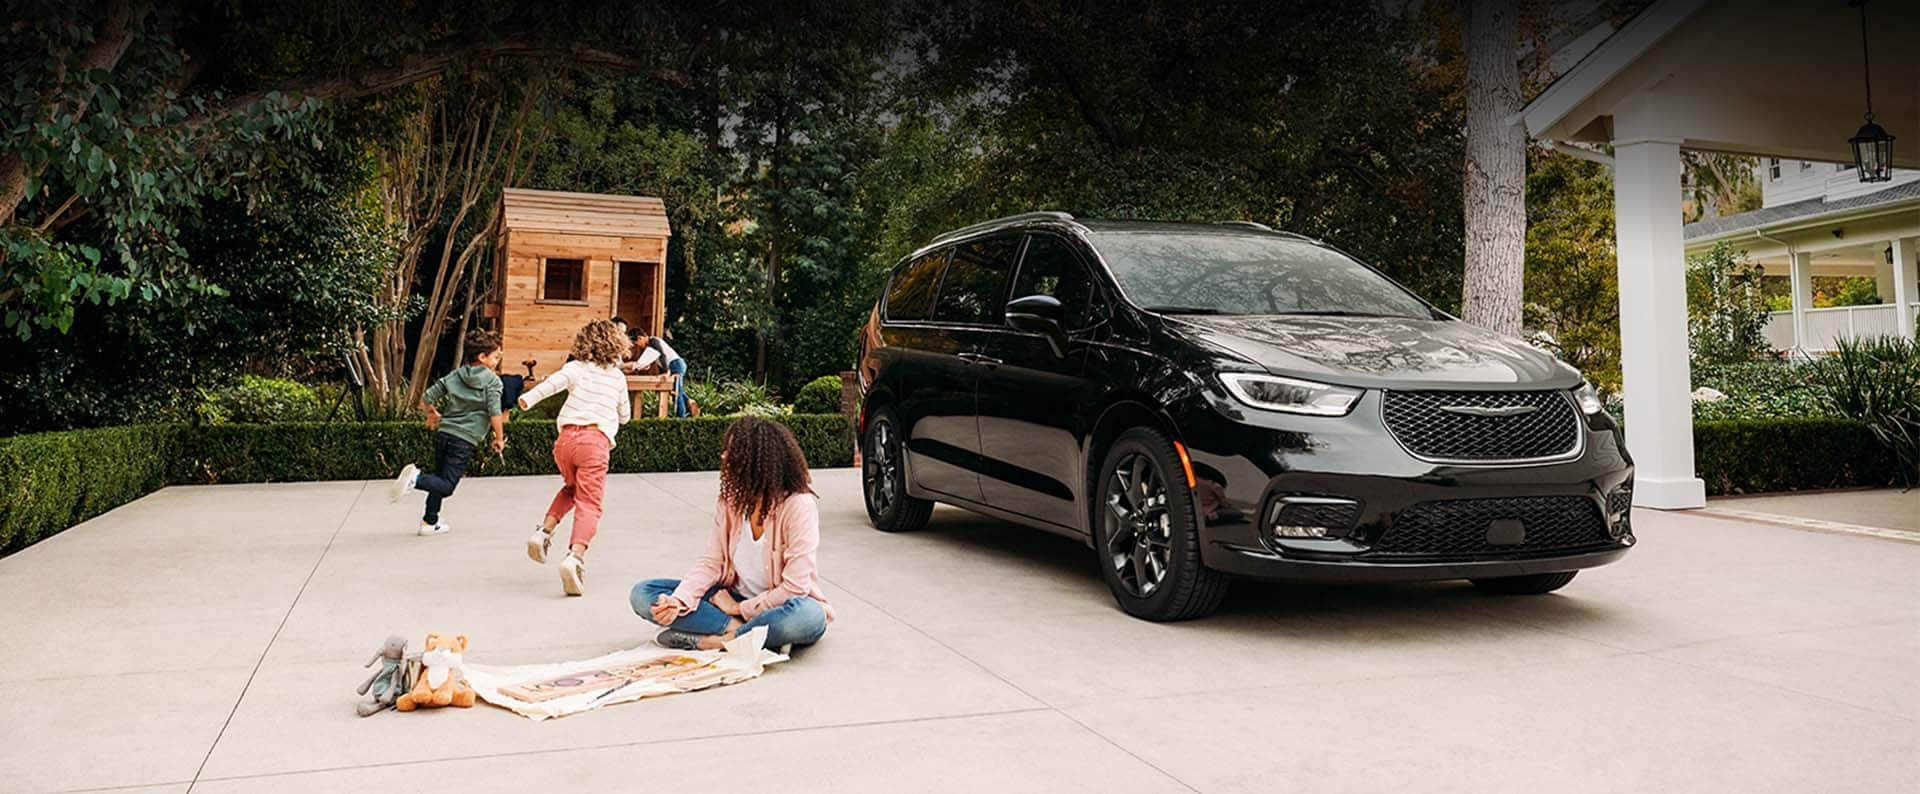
678,367
450,458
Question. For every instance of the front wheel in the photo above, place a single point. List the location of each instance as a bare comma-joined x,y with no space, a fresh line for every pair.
883,478
1532,584
1146,533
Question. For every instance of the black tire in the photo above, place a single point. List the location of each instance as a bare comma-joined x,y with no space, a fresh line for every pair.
883,478
1155,506
1531,584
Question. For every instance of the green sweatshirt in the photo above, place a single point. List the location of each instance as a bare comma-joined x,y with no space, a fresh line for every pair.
469,398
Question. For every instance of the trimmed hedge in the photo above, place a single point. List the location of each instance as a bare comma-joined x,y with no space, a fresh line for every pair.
1789,454
51,481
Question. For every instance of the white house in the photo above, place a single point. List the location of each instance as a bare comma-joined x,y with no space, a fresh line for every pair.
1769,78
1819,219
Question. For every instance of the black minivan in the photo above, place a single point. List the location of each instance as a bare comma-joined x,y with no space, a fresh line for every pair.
1204,401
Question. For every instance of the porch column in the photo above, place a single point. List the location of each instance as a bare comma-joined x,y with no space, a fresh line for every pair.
1802,295
1903,283
1653,323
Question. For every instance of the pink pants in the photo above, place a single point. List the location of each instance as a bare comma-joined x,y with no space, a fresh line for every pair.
581,454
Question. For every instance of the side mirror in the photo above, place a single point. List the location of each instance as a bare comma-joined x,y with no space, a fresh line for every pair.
1039,314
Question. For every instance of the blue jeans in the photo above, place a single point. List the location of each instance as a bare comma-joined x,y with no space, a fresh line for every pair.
800,621
450,458
678,367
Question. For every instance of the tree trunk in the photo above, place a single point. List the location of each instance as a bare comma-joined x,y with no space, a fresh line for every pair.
1496,169
109,43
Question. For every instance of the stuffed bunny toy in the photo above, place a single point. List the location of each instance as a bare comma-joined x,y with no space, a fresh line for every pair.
386,684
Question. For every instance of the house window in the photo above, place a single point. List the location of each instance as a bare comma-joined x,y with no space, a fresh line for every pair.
564,280
1773,168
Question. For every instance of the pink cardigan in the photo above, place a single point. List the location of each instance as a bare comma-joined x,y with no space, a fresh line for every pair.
793,537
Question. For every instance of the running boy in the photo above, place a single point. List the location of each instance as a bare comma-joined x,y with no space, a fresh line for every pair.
472,396
596,407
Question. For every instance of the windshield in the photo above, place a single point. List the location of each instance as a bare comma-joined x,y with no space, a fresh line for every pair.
1213,273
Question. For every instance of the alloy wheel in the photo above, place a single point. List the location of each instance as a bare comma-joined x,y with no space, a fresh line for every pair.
1139,528
882,468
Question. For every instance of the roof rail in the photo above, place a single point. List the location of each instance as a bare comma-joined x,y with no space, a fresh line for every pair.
1046,215
1269,229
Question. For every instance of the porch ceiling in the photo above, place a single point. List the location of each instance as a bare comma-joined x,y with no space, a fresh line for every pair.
1759,77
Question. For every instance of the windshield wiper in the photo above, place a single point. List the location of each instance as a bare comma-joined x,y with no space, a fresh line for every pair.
1336,313
1182,310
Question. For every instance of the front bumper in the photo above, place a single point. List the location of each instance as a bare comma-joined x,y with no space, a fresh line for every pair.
1407,519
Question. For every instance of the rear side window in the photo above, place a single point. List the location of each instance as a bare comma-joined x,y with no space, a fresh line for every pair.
1050,267
975,288
910,297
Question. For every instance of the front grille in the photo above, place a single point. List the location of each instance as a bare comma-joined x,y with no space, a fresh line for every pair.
1458,527
1422,423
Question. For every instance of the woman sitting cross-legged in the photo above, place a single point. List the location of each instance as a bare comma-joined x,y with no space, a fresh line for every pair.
759,567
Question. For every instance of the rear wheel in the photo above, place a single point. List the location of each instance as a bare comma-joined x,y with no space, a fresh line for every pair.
883,478
1532,584
1146,535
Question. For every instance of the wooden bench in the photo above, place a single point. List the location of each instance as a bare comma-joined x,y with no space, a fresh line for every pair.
640,385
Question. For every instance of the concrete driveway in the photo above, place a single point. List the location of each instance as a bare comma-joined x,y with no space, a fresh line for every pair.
209,638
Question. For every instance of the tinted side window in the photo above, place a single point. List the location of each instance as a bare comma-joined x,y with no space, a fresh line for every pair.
910,297
975,288
1050,267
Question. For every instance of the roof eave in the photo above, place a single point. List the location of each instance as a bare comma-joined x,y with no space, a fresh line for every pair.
1544,115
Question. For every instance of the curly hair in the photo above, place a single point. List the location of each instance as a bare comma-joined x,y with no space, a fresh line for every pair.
760,466
599,342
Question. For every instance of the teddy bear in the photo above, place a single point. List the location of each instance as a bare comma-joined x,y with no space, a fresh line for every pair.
385,685
440,682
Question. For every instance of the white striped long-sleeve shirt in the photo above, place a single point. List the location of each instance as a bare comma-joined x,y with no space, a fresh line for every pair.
596,396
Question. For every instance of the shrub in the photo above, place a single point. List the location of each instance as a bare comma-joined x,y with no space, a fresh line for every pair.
257,400
1727,314
729,397
1877,381
1788,454
51,481
820,396
1758,389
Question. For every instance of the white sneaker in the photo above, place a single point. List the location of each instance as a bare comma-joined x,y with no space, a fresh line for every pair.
537,545
573,575
409,474
434,529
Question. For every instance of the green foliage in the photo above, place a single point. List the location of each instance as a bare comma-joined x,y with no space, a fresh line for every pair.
1788,454
1758,390
1727,311
1572,287
257,400
1877,380
729,397
51,481
820,396
1853,291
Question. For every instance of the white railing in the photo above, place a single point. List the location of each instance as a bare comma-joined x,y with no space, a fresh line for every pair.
1838,322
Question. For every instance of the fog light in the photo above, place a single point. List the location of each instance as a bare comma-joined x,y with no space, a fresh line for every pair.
1311,516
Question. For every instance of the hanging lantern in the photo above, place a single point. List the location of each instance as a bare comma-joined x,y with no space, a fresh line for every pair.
1872,146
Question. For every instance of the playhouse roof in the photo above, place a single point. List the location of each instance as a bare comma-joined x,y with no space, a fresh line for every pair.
583,213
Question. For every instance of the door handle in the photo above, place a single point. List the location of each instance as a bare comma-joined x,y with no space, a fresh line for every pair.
981,358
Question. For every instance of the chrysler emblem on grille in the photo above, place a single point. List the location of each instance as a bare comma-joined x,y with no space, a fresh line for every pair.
1504,410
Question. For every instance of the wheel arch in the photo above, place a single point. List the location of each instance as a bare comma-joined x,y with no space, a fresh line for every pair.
1122,413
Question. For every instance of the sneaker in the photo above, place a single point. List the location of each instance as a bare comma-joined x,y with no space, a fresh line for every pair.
537,545
573,575
677,640
439,528
409,474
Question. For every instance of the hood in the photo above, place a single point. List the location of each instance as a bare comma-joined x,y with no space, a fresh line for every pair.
1381,352
475,377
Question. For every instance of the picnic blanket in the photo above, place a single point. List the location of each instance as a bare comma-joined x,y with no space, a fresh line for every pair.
542,691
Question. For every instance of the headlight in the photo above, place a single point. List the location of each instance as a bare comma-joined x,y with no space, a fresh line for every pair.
1292,396
1588,399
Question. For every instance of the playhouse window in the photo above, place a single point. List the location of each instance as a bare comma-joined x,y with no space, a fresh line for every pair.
564,280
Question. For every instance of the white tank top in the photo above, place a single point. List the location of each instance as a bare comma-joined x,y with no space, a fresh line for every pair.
750,562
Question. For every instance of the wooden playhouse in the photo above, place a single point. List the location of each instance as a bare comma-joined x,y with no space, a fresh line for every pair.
571,258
